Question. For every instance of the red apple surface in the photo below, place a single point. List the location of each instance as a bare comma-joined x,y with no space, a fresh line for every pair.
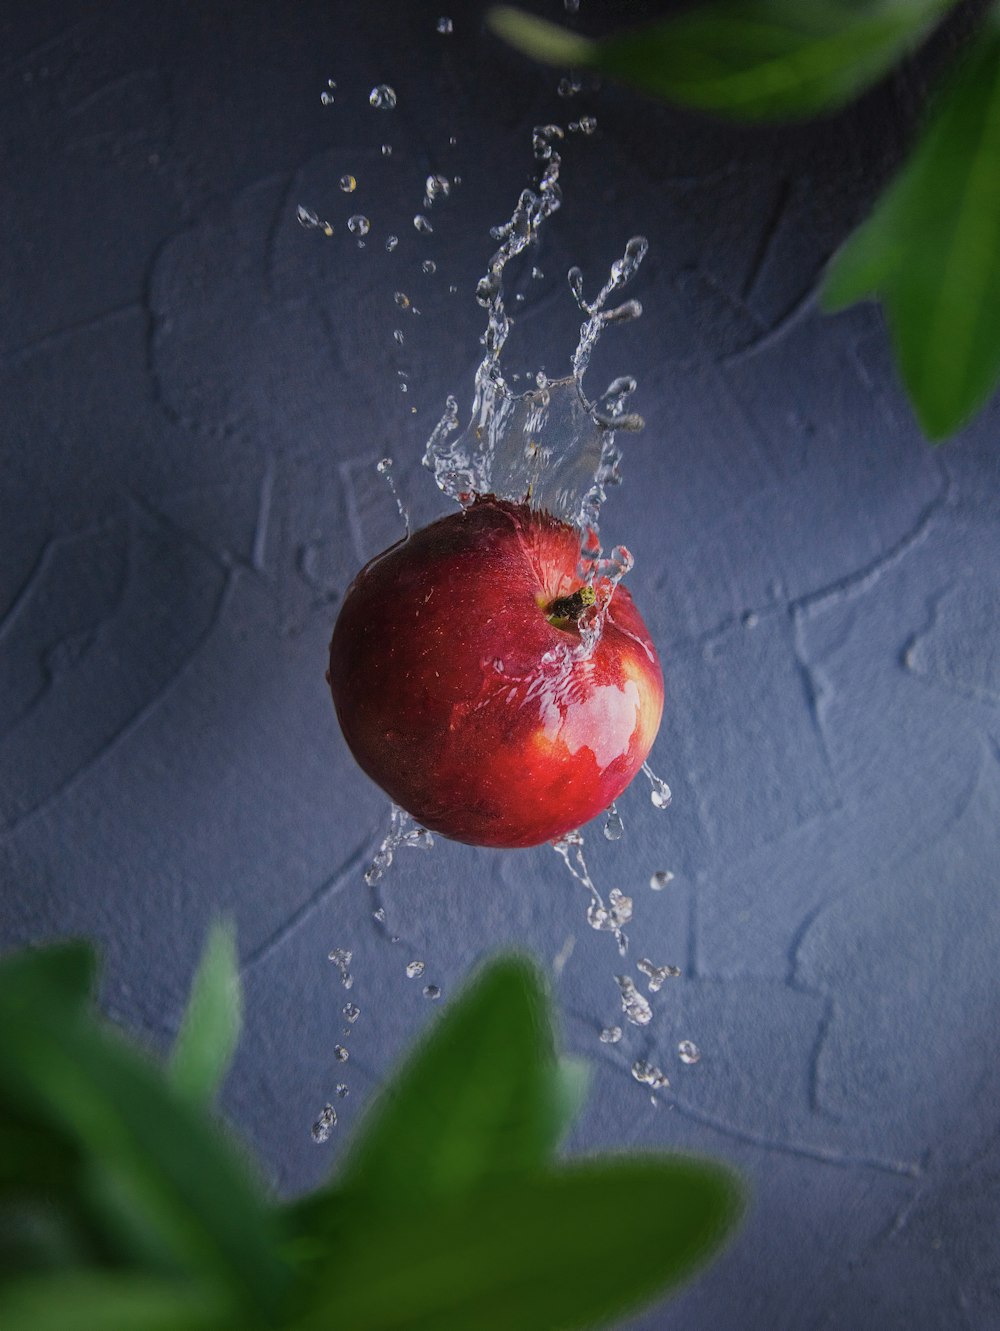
455,690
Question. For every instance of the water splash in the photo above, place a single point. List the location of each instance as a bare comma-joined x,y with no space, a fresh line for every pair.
324,1125
550,447
635,1007
384,469
606,917
403,831
341,958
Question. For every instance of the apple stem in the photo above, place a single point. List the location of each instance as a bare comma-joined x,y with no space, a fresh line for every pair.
568,609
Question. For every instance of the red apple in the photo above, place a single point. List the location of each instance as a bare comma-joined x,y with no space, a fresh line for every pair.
455,692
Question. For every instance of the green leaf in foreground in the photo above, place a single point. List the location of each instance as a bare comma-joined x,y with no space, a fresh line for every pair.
483,1095
931,250
211,1027
105,1301
561,1249
167,1187
748,59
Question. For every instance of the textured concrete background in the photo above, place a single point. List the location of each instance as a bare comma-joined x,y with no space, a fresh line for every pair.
194,391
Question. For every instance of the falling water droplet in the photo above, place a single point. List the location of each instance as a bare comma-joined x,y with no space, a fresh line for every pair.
588,124
421,223
613,825
307,218
445,26
358,225
352,1012
428,266
611,1035
656,975
397,335
620,906
659,794
688,1052
432,991
648,1074
382,97
340,1053
348,184
386,149
379,915
391,242
341,958
436,187
569,87
324,1125
661,879
402,300
635,1007
342,1091
414,970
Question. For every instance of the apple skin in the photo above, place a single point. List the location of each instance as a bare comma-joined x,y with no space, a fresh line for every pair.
441,691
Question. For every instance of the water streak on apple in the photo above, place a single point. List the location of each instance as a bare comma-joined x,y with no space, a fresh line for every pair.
461,689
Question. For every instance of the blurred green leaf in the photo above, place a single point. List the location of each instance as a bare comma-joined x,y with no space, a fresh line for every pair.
62,974
481,1096
552,1251
210,1030
102,1301
931,249
748,59
152,1165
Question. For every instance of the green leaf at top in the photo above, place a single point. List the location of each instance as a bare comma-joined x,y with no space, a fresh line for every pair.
567,1248
210,1030
748,59
931,250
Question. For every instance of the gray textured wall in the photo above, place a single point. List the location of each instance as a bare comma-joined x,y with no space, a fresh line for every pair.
194,389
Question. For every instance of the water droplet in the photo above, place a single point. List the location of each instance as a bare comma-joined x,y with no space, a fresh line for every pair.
611,1035
432,991
659,794
588,124
571,6
428,266
324,1125
569,87
386,149
348,184
414,970
621,906
613,825
688,1052
382,97
648,1074
307,218
391,242
358,225
537,274
750,620
656,975
435,187
634,1005
341,958
445,26
661,879
326,98
340,1053
342,1091
402,300
397,335
452,141
379,915
352,1012
422,225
